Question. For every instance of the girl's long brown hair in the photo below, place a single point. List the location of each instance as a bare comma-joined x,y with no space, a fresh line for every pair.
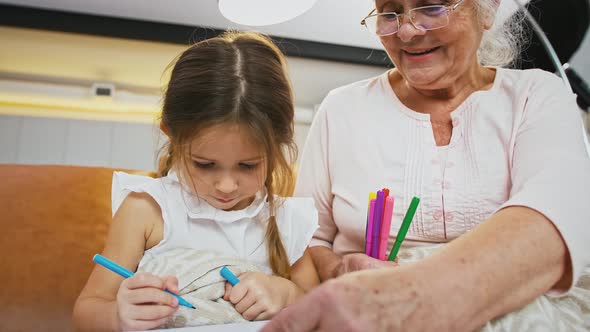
236,78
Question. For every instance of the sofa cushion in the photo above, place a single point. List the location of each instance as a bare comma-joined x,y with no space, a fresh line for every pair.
54,219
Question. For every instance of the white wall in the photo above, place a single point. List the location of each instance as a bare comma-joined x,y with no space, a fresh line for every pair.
68,67
57,141
35,140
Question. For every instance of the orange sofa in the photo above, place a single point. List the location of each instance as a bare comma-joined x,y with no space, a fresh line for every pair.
54,219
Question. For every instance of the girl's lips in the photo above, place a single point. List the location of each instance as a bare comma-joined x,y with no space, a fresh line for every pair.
224,200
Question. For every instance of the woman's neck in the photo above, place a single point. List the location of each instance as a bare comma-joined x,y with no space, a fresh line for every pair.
445,99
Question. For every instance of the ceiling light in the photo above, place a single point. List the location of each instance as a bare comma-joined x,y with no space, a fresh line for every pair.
263,12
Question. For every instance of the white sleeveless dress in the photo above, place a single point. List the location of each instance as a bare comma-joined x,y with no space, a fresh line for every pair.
190,222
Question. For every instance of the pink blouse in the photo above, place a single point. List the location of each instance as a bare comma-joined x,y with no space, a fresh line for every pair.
520,143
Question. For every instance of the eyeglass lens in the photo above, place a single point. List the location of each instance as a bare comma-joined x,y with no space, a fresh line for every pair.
424,18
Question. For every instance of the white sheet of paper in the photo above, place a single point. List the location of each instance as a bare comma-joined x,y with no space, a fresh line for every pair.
236,327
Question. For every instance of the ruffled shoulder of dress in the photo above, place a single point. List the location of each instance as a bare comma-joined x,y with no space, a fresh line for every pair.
297,219
124,183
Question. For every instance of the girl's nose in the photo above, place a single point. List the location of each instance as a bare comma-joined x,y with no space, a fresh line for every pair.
227,184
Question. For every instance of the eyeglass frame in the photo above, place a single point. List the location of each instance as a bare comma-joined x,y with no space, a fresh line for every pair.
448,8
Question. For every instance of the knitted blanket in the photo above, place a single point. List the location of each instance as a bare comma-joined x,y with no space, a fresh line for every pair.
200,284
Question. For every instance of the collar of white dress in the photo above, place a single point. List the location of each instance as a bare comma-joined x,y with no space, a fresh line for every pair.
198,208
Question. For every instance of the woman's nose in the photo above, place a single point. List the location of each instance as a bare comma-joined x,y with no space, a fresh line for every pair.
226,184
407,30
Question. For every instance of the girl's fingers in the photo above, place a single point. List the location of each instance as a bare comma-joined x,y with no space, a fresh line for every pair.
142,280
238,293
245,303
171,284
253,312
151,312
151,296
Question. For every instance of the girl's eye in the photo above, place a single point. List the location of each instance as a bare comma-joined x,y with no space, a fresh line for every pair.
248,166
203,165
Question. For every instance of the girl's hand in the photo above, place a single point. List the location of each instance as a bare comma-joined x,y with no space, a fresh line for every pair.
142,303
360,261
259,296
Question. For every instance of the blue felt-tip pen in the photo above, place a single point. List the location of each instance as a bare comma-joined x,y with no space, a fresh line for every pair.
123,272
229,276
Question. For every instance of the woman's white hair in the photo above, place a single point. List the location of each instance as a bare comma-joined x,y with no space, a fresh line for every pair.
502,44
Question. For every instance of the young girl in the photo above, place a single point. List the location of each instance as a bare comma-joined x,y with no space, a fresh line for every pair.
228,113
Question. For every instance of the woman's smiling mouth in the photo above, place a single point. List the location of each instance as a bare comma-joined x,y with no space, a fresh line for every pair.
419,54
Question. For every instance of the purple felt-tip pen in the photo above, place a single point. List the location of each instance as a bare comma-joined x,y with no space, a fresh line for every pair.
377,219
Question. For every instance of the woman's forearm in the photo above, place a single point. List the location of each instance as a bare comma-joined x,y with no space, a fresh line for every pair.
326,262
503,264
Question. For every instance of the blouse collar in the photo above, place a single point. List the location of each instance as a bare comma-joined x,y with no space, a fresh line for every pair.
198,208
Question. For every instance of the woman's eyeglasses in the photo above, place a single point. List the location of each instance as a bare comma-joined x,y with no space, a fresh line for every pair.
422,18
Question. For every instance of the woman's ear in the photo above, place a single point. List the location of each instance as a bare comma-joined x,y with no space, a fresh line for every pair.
164,129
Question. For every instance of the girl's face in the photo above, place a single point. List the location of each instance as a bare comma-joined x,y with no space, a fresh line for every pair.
226,166
433,59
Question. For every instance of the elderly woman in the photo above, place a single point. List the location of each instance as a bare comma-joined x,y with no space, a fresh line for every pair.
496,155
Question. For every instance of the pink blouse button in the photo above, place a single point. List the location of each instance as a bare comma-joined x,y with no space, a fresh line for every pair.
449,216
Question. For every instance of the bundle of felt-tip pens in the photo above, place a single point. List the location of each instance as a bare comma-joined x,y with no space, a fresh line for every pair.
379,214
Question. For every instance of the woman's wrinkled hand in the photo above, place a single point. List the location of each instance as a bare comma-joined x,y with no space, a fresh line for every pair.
142,303
371,300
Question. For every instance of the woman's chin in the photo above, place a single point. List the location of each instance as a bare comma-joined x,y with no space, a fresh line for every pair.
423,78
